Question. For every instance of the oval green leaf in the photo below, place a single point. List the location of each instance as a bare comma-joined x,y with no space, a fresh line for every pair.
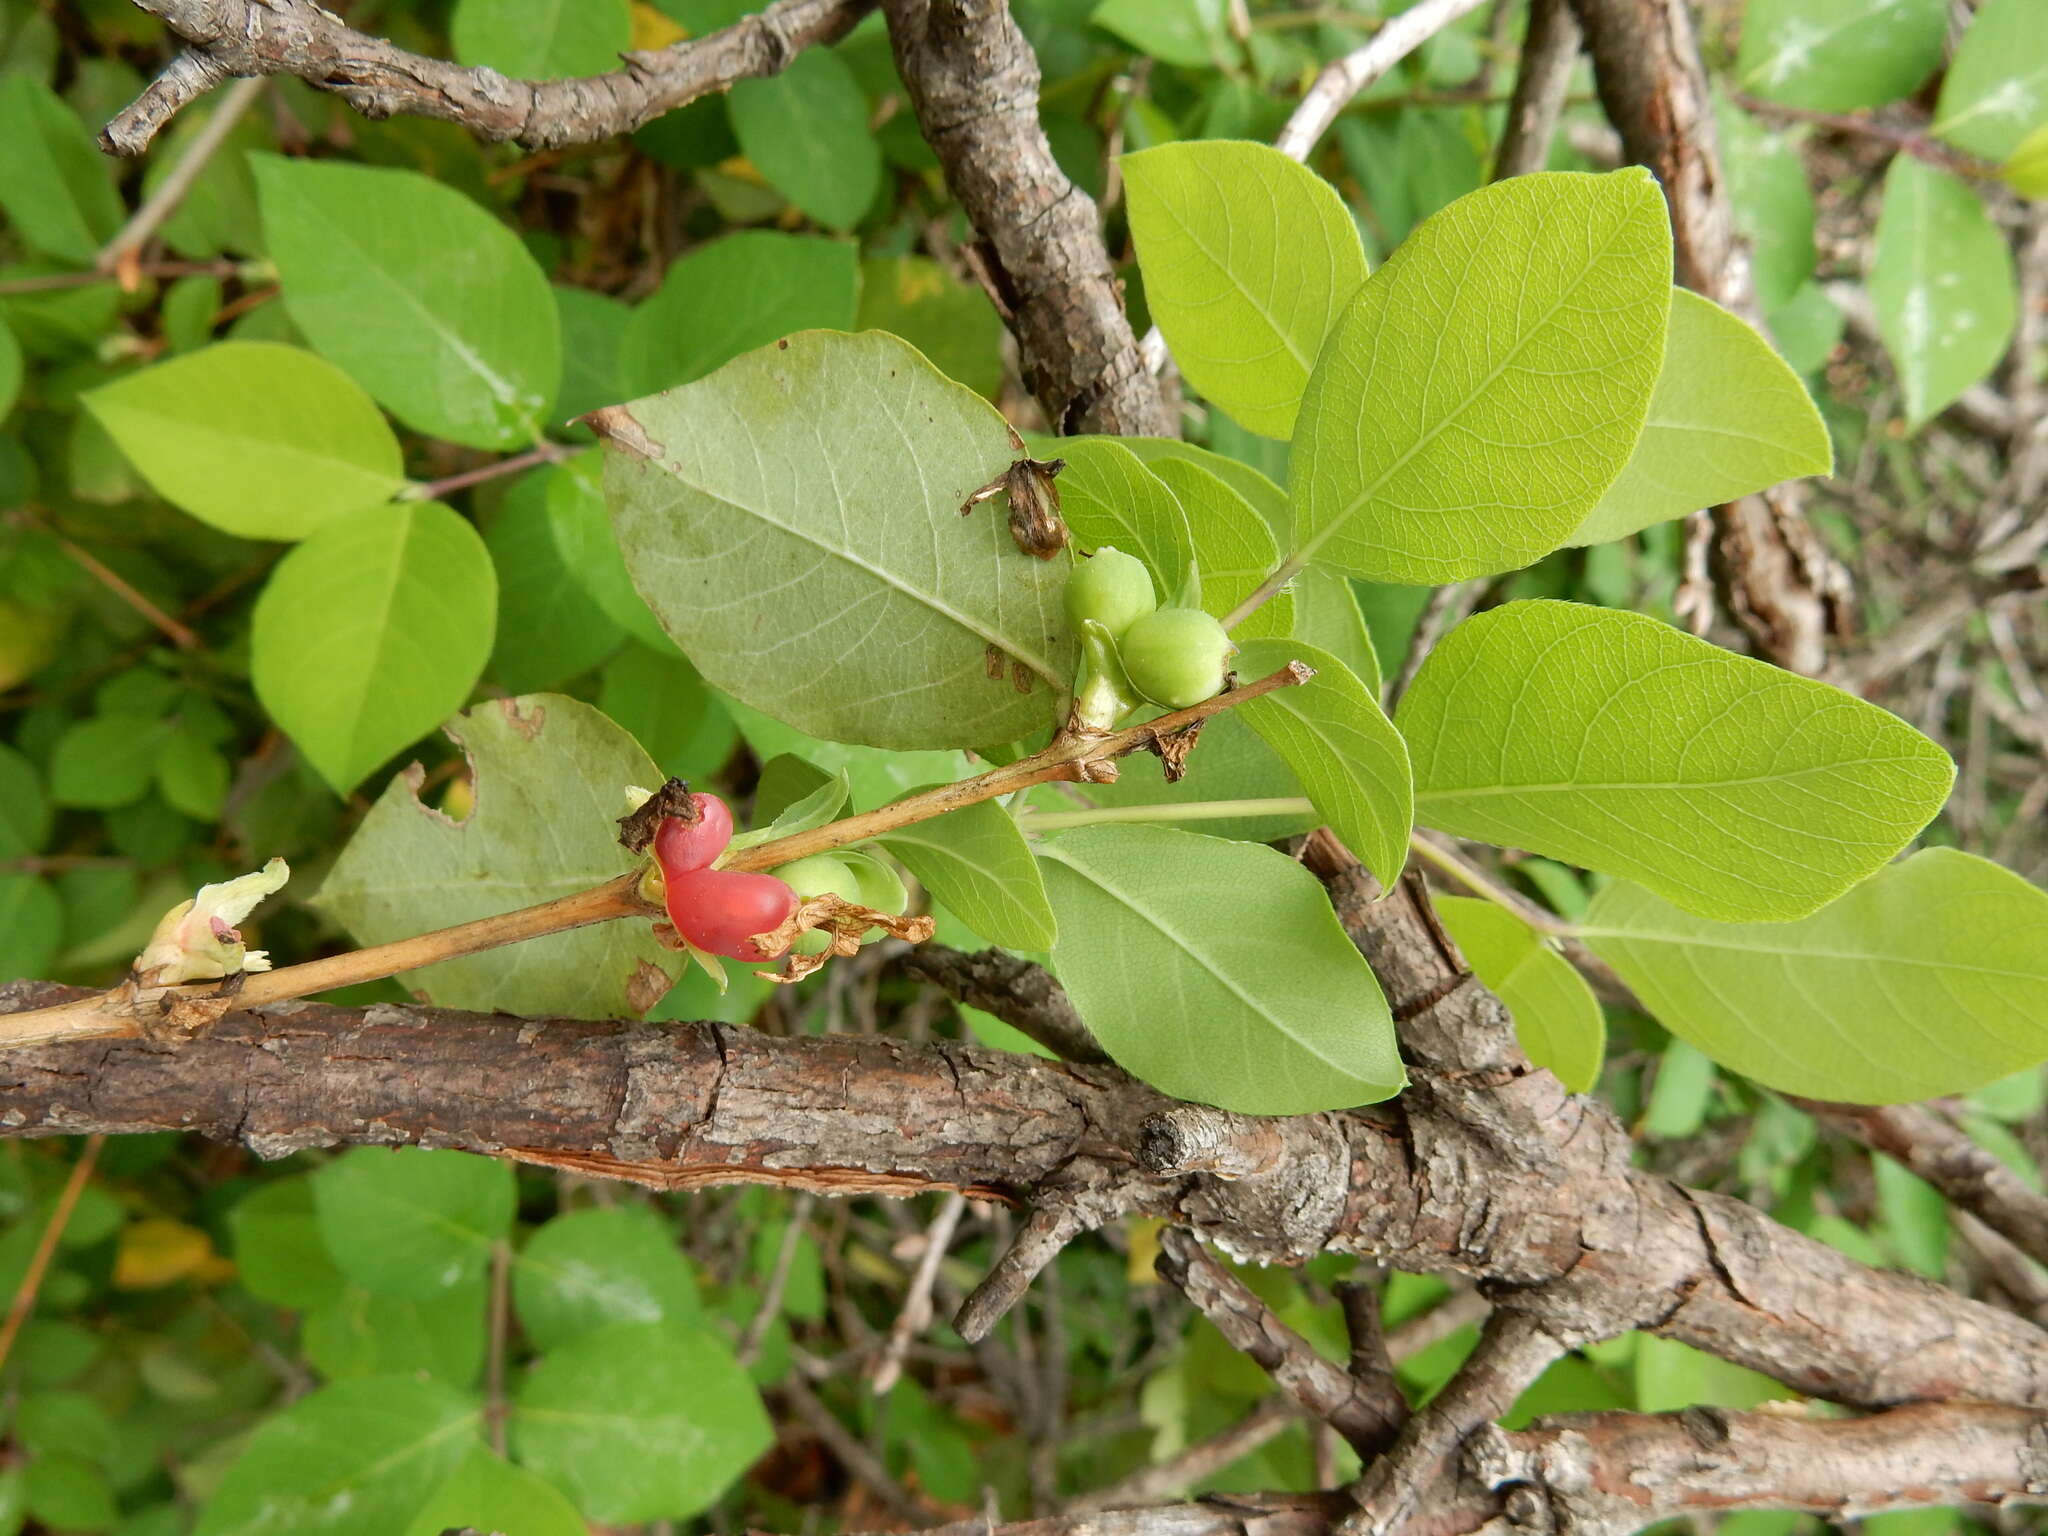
1943,285
1216,971
806,130
487,1493
542,39
406,1221
1612,741
640,1421
592,1269
1234,548
372,632
1930,978
1248,258
1996,89
262,441
361,1458
550,776
1729,417
1108,496
1839,55
794,522
975,862
1488,383
1557,1017
1350,760
56,188
427,301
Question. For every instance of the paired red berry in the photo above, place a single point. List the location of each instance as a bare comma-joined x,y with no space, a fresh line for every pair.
718,910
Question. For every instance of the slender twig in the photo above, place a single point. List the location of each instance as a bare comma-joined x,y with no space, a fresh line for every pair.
916,1313
1475,881
1073,755
171,191
46,1246
512,464
180,635
1193,810
52,282
501,1327
1912,141
749,1348
1199,1462
1543,78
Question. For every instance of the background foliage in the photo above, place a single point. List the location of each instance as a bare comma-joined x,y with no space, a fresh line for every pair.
308,485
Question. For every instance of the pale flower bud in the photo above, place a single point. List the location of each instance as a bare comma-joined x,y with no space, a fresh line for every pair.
198,940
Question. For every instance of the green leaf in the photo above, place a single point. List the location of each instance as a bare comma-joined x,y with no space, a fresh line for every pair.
684,726
591,1269
1488,383
67,1493
1557,1018
1233,547
839,589
2026,172
542,39
640,1422
1806,328
1267,499
107,761
730,296
1729,417
1915,1217
1216,971
11,369
357,1459
260,440
1839,55
1671,1377
1942,282
876,777
950,322
805,814
550,628
1614,742
1108,496
550,777
364,1333
594,329
192,773
1248,259
33,919
431,304
279,1255
487,1493
405,1221
56,188
976,862
372,632
588,548
1193,34
1326,615
1996,89
1930,978
806,130
1772,204
1350,760
24,808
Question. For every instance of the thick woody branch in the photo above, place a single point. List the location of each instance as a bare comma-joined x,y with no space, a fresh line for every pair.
973,80
1781,584
226,38
1368,1415
1543,79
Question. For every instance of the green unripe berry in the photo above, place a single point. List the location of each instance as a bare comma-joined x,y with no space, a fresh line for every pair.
1112,588
818,875
1175,656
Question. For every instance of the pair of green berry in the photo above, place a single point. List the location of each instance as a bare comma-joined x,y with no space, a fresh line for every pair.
1173,657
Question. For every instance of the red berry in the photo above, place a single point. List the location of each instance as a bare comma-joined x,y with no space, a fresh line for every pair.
720,910
686,845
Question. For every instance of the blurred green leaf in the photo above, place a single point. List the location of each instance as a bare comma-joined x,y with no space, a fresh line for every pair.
409,1222
806,130
591,1269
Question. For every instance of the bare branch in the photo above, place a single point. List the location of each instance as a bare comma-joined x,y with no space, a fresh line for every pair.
1368,1415
1543,78
225,38
1199,1462
1343,78
974,80
1023,995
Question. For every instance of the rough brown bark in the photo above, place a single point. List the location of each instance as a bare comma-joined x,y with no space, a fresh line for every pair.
225,38
1780,583
1550,50
974,82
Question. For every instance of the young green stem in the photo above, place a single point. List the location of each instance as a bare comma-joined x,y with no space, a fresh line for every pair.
1189,810
1285,572
1071,756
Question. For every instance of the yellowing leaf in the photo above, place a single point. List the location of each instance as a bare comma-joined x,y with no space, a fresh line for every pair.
156,1251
